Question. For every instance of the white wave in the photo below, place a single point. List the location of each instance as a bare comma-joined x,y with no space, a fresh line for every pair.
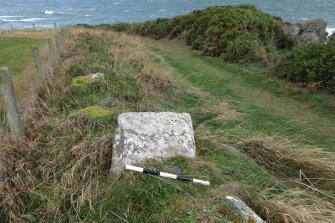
23,20
32,19
9,20
48,12
330,30
10,16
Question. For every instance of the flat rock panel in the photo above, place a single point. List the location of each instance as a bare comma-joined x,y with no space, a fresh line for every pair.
149,135
243,210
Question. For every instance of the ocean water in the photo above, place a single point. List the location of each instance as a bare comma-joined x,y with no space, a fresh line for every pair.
44,13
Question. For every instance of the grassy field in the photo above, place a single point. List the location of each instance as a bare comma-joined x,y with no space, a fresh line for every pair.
16,52
272,106
257,138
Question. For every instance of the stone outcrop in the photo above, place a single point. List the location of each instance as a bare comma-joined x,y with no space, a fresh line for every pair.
332,36
307,32
242,210
149,135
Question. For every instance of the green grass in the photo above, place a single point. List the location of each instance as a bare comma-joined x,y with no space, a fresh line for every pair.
272,106
15,52
68,178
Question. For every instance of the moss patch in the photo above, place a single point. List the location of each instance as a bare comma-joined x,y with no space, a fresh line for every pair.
86,84
94,112
82,82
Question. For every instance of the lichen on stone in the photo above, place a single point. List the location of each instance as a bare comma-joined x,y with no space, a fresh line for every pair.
93,112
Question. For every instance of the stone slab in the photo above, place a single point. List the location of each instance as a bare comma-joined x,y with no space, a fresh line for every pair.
148,135
243,210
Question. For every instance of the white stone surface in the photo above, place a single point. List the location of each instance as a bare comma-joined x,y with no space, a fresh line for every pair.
243,210
97,75
149,135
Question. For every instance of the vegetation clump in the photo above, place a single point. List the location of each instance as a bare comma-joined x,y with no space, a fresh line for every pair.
242,34
239,34
94,112
81,81
313,65
87,84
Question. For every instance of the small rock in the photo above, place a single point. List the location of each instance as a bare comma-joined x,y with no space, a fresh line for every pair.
243,210
308,38
306,32
149,135
332,35
178,169
97,75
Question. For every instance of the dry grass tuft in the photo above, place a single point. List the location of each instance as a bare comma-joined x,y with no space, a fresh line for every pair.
67,173
298,206
154,77
226,111
291,206
310,167
6,155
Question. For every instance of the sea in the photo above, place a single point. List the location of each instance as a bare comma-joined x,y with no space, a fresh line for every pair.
46,13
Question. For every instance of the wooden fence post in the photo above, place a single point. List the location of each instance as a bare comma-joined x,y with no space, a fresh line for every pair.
12,110
61,35
40,69
67,31
51,50
64,34
60,41
58,46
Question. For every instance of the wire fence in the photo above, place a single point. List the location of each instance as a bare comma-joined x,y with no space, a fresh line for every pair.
44,61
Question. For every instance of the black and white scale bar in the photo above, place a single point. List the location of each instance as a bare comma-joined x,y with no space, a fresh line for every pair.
168,175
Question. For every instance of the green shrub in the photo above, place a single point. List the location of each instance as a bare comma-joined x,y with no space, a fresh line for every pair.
313,64
175,32
245,49
213,29
75,70
283,41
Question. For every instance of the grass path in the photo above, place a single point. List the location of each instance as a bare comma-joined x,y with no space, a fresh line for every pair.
268,110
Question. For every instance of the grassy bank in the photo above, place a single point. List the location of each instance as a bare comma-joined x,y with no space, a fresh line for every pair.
237,34
283,128
16,52
242,34
251,141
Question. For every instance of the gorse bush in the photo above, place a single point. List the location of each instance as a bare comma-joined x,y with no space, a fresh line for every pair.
218,31
245,49
313,64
